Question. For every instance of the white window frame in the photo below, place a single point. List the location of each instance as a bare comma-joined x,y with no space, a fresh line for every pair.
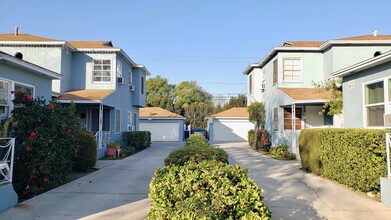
117,120
292,70
119,73
130,125
130,78
93,71
386,102
9,97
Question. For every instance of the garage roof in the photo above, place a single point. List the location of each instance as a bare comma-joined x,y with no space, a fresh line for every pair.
236,112
156,112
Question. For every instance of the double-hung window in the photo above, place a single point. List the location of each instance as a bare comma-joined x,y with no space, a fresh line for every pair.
117,120
292,71
119,73
374,104
22,88
102,71
275,119
130,126
275,71
134,121
4,99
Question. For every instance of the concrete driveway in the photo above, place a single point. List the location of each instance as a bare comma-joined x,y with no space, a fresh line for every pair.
117,191
293,194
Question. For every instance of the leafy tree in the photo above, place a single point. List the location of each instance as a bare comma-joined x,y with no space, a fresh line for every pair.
257,115
237,101
159,93
196,113
334,104
189,92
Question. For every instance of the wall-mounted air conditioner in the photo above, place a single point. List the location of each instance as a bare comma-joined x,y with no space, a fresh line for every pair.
131,88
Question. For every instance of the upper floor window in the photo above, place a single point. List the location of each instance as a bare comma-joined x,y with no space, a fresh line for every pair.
250,84
102,71
130,78
275,72
292,70
119,73
374,104
142,85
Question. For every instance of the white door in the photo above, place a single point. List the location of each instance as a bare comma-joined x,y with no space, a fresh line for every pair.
161,131
231,129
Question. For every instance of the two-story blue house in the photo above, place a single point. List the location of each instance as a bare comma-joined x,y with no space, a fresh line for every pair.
283,81
107,87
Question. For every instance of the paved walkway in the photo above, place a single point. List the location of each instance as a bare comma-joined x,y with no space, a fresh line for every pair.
293,194
119,190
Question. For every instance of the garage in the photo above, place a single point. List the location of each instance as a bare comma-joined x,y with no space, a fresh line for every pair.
231,125
163,125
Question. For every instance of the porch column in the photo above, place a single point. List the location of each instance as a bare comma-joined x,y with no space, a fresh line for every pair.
100,126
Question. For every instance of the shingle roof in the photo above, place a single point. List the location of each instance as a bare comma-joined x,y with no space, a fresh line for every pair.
236,112
24,37
305,93
156,112
367,37
85,95
91,44
303,43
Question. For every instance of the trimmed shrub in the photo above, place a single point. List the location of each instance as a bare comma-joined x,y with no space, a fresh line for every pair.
86,151
181,156
251,137
354,157
45,144
205,190
128,150
310,150
137,139
196,140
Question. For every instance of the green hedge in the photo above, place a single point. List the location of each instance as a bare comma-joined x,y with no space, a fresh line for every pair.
251,137
354,157
181,156
137,139
205,190
196,140
86,151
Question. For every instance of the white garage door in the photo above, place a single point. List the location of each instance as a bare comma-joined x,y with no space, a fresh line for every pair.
231,130
161,131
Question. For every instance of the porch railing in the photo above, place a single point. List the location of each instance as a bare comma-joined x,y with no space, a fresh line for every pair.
7,149
104,140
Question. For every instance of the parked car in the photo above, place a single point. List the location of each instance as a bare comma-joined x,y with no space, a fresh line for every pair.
200,131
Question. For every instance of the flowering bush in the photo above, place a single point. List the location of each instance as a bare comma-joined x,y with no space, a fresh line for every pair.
263,142
45,143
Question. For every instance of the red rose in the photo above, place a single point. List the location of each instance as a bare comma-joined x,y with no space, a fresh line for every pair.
32,134
28,96
23,99
19,94
51,106
45,179
69,130
28,148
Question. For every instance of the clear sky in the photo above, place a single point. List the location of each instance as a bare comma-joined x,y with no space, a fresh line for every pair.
209,41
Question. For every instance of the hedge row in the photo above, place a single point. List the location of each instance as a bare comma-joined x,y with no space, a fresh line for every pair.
354,157
197,140
205,190
181,156
137,139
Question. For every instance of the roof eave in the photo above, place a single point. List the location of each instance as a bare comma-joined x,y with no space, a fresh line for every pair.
150,118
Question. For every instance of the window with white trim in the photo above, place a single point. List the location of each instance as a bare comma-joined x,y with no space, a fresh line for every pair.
292,120
374,104
275,119
275,71
102,71
130,78
23,88
4,99
250,84
120,79
130,121
117,120
292,69
134,121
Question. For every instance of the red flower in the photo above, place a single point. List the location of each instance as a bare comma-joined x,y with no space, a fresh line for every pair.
45,179
69,130
264,139
28,96
41,167
28,148
23,99
51,106
19,94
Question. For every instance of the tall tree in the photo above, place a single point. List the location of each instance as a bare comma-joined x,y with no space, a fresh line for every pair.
159,93
332,90
189,92
237,101
257,115
196,113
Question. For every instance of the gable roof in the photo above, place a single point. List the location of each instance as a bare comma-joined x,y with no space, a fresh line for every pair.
156,112
84,96
304,95
11,60
235,112
319,46
363,65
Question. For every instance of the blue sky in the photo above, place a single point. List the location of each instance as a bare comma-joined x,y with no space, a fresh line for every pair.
209,41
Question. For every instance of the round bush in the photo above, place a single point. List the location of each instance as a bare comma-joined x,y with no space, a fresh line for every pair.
196,140
86,151
205,190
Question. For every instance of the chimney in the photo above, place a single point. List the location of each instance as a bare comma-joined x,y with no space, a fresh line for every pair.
16,30
374,33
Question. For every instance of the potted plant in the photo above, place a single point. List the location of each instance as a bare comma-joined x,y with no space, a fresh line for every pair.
112,149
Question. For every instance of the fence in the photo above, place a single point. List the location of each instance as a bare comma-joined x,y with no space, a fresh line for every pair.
7,149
